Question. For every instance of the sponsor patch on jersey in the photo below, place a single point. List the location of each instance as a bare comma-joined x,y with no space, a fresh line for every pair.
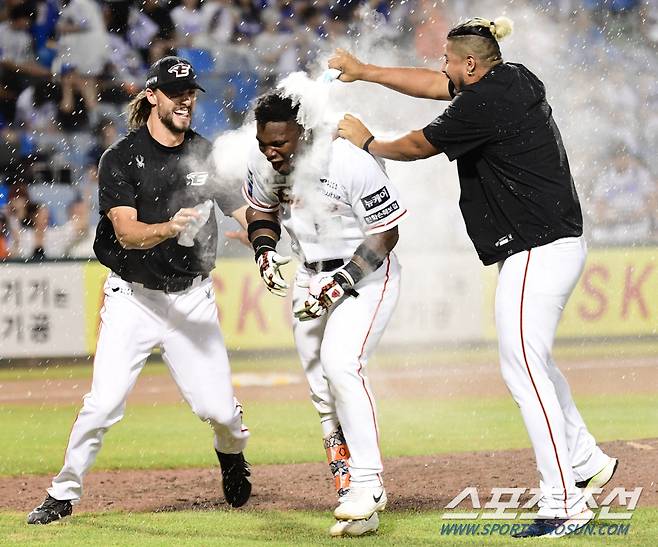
330,189
381,215
196,178
376,199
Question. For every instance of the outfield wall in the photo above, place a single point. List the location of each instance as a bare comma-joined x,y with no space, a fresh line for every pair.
51,309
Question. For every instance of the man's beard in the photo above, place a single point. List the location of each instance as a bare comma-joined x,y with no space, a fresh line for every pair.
168,121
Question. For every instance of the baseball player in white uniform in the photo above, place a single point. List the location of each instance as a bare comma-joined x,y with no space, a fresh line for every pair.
342,219
159,292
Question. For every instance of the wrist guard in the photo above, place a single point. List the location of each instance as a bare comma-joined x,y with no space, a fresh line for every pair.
263,225
262,244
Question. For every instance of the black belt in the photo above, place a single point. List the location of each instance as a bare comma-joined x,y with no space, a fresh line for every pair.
172,285
325,265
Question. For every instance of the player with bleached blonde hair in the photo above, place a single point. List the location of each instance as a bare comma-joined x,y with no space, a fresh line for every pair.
522,213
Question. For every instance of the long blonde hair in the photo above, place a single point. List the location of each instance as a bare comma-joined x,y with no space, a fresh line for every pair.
139,110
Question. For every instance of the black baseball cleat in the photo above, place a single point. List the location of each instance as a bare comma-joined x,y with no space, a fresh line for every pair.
602,477
49,511
236,485
555,528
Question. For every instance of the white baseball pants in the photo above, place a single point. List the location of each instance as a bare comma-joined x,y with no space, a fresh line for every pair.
334,351
134,320
533,288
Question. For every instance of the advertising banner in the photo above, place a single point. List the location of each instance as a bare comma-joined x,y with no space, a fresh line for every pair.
41,310
51,309
616,296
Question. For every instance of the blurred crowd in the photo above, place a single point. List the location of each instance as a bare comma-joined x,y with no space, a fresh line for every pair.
612,123
68,67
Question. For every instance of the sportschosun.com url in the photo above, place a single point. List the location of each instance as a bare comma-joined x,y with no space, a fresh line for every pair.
498,529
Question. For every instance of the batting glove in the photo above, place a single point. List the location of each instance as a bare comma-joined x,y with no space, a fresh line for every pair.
324,292
311,308
269,263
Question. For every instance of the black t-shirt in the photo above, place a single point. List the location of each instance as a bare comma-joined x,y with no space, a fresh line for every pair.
516,187
157,181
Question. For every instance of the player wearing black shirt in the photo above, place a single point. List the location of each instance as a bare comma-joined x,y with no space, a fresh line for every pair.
521,210
158,236
157,181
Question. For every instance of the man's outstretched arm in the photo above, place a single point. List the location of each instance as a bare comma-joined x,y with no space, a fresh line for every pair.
424,83
409,147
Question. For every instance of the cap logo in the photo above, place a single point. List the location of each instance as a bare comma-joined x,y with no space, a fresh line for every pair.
181,70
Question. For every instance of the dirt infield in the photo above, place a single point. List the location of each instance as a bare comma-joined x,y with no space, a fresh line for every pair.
416,483
420,483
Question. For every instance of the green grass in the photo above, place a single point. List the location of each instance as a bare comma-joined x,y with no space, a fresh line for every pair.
33,438
273,528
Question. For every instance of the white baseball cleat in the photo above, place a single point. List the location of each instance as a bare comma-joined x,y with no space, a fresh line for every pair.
361,502
602,477
354,528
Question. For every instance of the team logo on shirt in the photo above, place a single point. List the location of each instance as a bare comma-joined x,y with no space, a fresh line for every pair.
197,178
504,240
376,199
140,161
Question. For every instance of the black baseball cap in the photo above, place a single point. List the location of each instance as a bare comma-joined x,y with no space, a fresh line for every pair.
172,75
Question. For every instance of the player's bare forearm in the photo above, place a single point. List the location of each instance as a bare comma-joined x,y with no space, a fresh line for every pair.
410,147
423,83
134,234
417,82
374,249
382,243
138,235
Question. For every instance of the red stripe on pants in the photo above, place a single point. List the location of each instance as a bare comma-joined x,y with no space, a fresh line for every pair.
363,346
525,359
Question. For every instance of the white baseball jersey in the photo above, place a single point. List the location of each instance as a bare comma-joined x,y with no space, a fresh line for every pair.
330,217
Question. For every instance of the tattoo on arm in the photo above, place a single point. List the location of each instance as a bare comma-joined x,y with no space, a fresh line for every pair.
370,255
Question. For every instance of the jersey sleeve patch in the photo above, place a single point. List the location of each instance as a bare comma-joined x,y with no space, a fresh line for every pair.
374,200
389,222
382,214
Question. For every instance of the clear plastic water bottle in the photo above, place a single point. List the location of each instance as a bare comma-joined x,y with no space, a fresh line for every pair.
186,237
